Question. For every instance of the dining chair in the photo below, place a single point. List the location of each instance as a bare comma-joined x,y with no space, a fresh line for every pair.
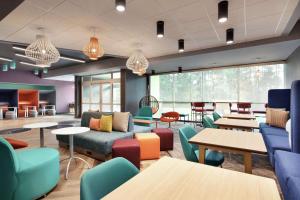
191,151
216,116
104,178
170,117
208,122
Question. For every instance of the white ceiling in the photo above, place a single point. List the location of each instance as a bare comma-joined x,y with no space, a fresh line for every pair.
68,23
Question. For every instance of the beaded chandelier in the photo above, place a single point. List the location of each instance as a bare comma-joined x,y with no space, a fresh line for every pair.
138,63
93,50
42,51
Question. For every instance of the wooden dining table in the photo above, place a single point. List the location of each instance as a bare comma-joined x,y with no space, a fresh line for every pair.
171,178
239,116
246,125
240,142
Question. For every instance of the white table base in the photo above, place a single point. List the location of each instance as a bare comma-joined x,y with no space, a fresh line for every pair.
72,157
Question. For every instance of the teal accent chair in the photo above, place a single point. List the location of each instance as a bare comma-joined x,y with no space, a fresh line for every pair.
216,116
191,151
27,174
104,178
144,113
208,122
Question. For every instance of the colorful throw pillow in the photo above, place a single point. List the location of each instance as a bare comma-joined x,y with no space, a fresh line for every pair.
120,121
279,118
268,114
94,124
106,123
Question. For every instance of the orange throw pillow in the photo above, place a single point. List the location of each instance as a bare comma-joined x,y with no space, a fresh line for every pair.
94,124
268,114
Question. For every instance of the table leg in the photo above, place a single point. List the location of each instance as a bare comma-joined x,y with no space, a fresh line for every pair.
202,151
248,162
72,157
41,137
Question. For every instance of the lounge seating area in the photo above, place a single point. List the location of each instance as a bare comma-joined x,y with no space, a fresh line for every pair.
143,100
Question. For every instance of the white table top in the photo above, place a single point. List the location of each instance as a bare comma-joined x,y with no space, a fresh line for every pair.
70,130
40,125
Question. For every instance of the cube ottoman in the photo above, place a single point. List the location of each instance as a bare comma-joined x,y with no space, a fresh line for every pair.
127,148
149,144
166,138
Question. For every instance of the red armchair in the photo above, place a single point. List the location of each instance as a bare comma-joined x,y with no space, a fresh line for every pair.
169,117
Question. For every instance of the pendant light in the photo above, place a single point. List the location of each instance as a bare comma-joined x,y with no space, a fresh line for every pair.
93,50
160,29
121,5
138,63
223,11
230,36
12,65
181,45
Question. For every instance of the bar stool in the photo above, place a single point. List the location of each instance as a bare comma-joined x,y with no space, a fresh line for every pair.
244,107
197,109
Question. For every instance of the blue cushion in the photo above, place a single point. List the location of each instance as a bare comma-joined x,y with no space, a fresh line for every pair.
279,98
293,186
273,131
287,165
275,142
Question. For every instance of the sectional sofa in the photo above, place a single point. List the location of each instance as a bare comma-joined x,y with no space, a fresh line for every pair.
283,157
98,144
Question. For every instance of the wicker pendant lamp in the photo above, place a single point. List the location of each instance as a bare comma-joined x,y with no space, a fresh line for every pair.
93,50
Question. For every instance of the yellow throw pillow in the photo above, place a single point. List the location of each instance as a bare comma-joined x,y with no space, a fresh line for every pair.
106,123
279,118
268,113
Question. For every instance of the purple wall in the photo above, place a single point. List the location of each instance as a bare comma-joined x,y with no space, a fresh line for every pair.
64,89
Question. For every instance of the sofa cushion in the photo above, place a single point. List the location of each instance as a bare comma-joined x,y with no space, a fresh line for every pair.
120,121
287,166
94,124
279,118
293,186
100,142
106,123
273,131
275,142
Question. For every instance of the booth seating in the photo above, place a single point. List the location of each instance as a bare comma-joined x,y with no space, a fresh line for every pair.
27,98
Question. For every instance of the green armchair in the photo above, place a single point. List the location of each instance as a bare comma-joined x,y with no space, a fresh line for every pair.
27,174
144,113
104,178
208,122
191,151
216,116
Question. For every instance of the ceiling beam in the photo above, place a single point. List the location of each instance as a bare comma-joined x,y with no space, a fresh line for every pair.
7,6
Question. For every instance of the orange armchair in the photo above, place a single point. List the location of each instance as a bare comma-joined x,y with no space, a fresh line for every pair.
169,117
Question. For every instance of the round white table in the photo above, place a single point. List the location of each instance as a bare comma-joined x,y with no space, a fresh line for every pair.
70,131
41,126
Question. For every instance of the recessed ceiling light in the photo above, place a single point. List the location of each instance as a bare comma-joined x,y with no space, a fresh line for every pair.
160,29
223,11
181,45
230,36
121,5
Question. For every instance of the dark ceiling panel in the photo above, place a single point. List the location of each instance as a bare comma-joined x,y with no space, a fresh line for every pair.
6,6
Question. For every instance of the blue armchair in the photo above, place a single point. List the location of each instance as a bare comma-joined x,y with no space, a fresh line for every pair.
144,113
27,174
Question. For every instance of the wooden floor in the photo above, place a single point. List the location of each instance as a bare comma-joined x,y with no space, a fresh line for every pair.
69,189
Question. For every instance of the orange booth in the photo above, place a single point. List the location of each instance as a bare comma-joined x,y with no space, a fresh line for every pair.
27,98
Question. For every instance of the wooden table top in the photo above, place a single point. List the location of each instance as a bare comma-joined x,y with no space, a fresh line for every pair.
239,116
236,140
171,178
237,123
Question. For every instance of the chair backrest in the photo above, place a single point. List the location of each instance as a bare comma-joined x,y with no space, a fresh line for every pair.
243,107
185,133
145,111
197,104
208,122
172,115
216,116
104,178
8,168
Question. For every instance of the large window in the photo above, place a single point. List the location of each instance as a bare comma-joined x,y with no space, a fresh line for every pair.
244,83
101,92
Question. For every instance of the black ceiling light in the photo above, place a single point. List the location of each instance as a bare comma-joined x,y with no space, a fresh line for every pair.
120,5
181,45
223,11
179,69
230,36
160,29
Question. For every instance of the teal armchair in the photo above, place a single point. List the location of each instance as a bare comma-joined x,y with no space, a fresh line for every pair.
208,122
191,151
104,178
144,113
27,174
216,116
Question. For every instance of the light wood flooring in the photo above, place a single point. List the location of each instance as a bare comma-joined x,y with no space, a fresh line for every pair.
70,189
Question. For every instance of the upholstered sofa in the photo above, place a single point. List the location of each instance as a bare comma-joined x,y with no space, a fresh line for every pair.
276,138
98,144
